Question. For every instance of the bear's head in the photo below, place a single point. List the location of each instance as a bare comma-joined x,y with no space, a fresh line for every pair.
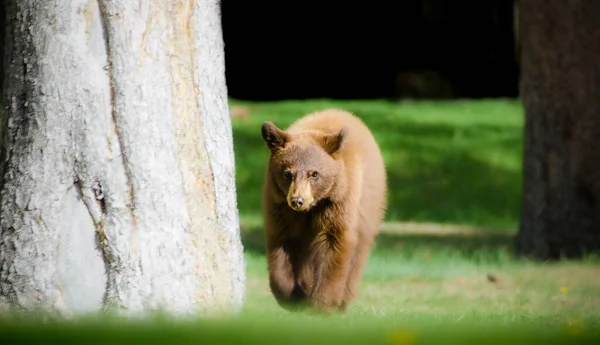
304,166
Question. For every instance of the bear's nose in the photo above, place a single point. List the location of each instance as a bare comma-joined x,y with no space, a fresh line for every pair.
297,201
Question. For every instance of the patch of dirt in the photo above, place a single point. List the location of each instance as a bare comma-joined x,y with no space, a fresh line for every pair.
441,229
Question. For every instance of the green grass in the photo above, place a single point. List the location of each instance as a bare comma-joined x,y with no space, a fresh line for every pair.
443,276
454,173
448,162
442,270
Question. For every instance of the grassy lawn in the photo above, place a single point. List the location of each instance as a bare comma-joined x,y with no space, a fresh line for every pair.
445,253
456,162
442,271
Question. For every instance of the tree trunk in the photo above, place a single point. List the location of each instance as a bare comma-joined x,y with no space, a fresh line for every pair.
118,186
561,78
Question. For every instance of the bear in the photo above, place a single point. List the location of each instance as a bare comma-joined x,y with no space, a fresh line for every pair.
323,198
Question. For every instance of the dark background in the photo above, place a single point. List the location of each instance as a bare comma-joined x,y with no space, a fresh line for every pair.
370,49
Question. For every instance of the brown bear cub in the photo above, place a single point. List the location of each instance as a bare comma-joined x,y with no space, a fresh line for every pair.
324,197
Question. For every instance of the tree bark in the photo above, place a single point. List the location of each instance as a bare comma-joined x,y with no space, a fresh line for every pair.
118,188
560,80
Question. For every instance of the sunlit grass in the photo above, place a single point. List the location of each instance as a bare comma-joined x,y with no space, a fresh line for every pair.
453,278
448,163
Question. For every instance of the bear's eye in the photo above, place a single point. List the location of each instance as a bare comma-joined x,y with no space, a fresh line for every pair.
314,175
287,174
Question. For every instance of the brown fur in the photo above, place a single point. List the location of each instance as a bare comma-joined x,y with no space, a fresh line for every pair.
316,253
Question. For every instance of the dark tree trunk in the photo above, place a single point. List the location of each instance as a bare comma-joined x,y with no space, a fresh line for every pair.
561,95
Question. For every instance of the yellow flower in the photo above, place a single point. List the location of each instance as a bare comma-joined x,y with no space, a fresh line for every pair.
402,337
564,290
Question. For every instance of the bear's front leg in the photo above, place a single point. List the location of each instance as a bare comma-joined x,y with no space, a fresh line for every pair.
332,252
281,276
282,280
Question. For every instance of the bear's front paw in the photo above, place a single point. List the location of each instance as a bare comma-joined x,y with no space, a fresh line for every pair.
325,304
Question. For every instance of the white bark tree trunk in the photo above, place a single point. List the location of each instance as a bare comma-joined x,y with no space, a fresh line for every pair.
118,186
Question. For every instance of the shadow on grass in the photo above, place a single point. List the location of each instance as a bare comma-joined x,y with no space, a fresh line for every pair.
488,247
433,183
437,172
474,246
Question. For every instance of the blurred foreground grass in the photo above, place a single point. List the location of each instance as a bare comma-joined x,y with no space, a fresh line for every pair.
299,331
428,281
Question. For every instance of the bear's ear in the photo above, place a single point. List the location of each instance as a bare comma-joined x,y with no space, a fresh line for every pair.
334,142
274,137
